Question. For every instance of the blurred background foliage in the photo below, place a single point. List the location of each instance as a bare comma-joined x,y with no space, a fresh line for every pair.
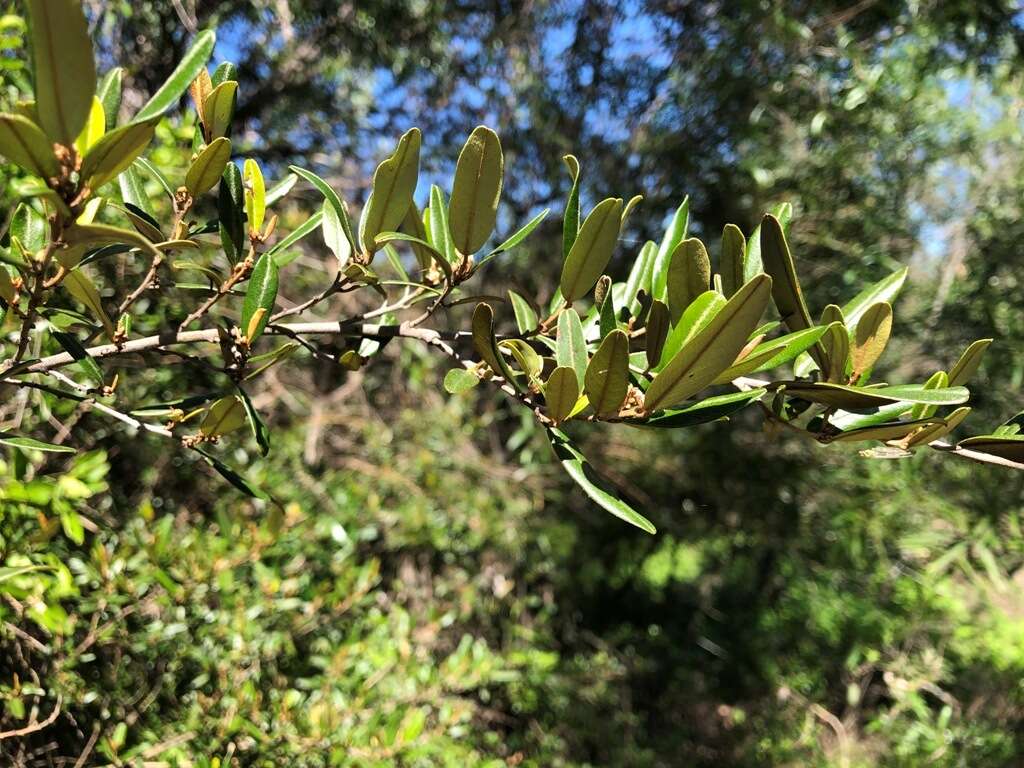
435,592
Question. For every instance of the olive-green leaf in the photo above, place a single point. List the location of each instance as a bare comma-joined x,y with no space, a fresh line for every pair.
476,190
526,317
640,276
459,380
871,336
938,380
854,398
303,230
886,432
233,476
115,152
522,233
571,348
711,409
592,250
935,432
674,235
81,287
225,415
775,352
109,93
334,234
884,290
734,247
231,212
260,294
571,219
1007,447
561,392
29,227
331,196
31,444
258,427
694,319
713,349
778,263
24,144
394,182
689,275
968,363
484,342
218,109
530,362
752,263
593,484
65,73
656,332
168,94
208,167
606,380
440,234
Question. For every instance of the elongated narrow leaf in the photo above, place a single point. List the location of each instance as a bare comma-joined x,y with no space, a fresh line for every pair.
640,276
778,263
334,234
775,352
484,342
935,432
394,182
31,444
440,235
133,193
94,128
689,275
854,398
883,291
1006,447
260,295
592,250
232,476
29,227
593,484
712,350
231,212
674,235
476,190
331,196
571,219
257,426
835,345
412,225
886,432
656,332
561,392
938,380
734,247
571,350
529,361
303,230
182,76
711,409
606,380
115,152
255,195
23,143
871,336
282,188
694,319
65,74
218,109
109,93
74,347
968,363
80,286
526,317
208,167
522,233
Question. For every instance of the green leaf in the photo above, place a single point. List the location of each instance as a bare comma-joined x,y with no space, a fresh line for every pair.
883,291
607,319
606,380
115,152
81,288
133,193
775,352
30,444
712,350
968,363
231,212
689,275
109,93
526,318
938,380
656,332
522,234
711,409
255,195
854,398
260,294
440,236
561,392
526,356
571,350
301,231
24,144
412,225
157,174
871,337
334,234
225,71
694,319
931,434
74,347
232,476
484,342
208,167
835,349
225,415
65,74
734,247
282,188
778,263
1005,446
885,432
476,190
394,182
94,128
194,60
590,254
674,235
459,380
752,262
29,227
640,276
571,219
218,109
593,484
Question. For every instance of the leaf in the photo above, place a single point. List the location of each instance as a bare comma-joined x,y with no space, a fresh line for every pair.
255,195
689,275
412,225
157,174
329,194
734,247
694,319
208,167
476,190
232,476
109,93
571,349
590,254
94,128
81,288
80,236
459,380
23,143
1006,447
74,347
394,182
521,234
775,352
218,109
883,291
938,380
63,67
133,194
484,342
225,415
561,392
526,356
191,63
835,346
607,319
674,235
712,350
885,432
526,318
593,484
30,444
935,432
711,409
231,212
871,337
115,152
440,236
854,398
656,332
778,263
260,294
607,376
968,363
571,218
29,227
640,276
282,188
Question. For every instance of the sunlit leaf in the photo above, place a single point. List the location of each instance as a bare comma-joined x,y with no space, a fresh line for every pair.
674,235
23,143
606,379
115,152
689,275
734,247
476,190
590,254
571,350
260,294
561,392
394,182
168,94
208,167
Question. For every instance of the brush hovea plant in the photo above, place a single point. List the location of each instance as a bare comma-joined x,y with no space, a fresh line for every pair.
681,341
